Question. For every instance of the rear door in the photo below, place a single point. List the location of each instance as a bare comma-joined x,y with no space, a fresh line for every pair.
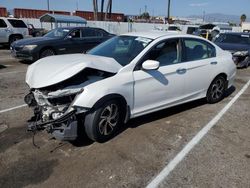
200,60
91,38
3,31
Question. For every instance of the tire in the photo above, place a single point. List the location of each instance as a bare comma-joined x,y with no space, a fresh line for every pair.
104,122
47,52
216,90
14,38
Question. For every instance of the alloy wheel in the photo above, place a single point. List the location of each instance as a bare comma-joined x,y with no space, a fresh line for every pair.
108,119
47,53
217,89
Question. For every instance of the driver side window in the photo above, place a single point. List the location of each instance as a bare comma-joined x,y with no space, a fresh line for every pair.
75,34
167,52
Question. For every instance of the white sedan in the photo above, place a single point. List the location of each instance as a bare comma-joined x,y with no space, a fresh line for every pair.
125,77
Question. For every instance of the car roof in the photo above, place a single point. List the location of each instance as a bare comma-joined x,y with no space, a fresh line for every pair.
10,18
77,27
152,34
158,34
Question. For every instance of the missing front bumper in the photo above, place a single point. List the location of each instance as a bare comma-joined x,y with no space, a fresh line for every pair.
63,128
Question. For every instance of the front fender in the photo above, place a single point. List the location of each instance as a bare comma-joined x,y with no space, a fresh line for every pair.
120,84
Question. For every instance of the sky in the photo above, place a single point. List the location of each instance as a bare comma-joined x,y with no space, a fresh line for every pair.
180,8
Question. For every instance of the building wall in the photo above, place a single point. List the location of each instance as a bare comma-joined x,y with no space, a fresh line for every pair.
3,12
114,27
88,15
34,13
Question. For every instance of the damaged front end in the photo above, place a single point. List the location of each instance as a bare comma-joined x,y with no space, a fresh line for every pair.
52,105
241,59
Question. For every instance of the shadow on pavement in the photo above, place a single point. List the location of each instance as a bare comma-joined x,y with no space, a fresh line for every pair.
2,66
26,62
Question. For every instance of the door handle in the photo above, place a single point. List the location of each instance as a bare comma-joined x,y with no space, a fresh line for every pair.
181,71
213,63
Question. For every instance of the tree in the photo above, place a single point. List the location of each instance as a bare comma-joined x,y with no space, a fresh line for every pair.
95,9
243,18
145,15
102,5
108,10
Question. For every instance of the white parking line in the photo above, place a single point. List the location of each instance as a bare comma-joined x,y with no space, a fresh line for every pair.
13,108
11,72
195,140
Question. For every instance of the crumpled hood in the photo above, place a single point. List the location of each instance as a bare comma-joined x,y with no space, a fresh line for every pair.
55,69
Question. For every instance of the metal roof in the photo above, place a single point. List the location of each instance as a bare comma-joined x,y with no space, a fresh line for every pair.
58,18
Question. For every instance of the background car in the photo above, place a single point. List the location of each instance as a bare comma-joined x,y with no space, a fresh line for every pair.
12,29
238,44
125,77
36,32
59,41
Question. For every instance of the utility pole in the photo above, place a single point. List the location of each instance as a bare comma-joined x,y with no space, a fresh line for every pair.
110,9
48,4
204,13
77,4
95,9
169,1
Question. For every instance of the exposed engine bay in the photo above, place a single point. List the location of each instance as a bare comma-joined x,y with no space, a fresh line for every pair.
242,59
52,105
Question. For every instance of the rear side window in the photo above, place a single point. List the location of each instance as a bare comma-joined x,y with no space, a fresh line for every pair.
87,32
2,23
17,23
100,33
196,49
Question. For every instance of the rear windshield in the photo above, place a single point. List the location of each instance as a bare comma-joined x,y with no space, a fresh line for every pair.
239,39
17,23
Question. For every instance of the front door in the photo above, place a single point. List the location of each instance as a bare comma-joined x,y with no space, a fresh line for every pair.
155,89
73,42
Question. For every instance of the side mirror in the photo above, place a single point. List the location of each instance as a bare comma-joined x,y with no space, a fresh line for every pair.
150,65
69,37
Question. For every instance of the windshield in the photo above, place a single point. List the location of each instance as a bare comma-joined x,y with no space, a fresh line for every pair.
239,39
57,33
122,48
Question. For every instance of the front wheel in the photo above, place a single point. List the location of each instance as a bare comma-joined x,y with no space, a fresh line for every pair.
104,122
46,53
216,91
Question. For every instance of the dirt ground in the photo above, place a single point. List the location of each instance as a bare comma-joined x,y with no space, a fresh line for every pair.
136,155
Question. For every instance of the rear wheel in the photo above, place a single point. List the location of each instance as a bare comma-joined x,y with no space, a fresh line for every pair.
47,52
216,90
104,122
